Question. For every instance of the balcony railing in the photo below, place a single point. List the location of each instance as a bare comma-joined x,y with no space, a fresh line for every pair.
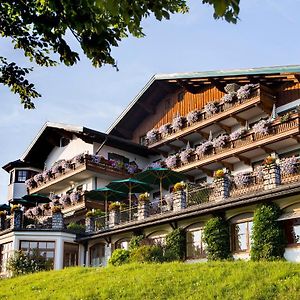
201,194
278,131
260,97
77,165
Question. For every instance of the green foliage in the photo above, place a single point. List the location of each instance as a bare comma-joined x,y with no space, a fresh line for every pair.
76,228
119,257
147,254
217,239
136,241
212,280
267,233
21,263
175,245
39,29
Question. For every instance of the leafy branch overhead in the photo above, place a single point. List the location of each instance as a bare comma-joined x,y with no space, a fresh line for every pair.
39,28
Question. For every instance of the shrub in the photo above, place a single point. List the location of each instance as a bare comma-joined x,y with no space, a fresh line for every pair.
21,263
136,241
267,234
217,239
76,228
175,245
147,254
119,257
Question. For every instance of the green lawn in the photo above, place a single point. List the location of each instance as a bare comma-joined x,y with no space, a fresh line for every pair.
222,280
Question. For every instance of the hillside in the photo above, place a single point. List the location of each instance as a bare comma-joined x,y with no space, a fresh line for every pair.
226,280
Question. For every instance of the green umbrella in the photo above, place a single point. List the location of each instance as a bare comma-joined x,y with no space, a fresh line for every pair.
23,202
129,186
36,198
106,194
160,176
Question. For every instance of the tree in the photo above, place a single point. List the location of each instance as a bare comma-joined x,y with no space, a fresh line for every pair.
39,28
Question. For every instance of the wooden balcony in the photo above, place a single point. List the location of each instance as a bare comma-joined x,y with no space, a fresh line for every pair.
260,101
249,146
79,172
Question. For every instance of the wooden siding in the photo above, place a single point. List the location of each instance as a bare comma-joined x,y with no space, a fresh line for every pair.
171,105
287,93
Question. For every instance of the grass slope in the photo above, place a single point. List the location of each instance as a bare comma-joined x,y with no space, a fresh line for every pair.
220,280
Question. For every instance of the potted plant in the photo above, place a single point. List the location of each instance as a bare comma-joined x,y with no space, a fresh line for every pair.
285,117
192,117
164,129
219,174
221,141
151,136
229,98
269,160
262,127
144,198
179,186
244,91
211,108
56,209
114,206
38,177
288,165
177,122
204,148
15,207
171,161
238,134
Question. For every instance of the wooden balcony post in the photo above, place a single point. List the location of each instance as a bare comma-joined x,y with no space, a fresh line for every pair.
143,210
179,200
272,176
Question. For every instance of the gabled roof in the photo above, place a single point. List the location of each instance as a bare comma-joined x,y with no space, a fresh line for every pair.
161,85
50,134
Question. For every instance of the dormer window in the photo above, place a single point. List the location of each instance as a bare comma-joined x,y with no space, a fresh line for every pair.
63,142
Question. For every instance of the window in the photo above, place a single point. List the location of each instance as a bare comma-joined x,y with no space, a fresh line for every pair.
97,255
195,247
5,252
118,157
40,248
292,231
70,255
143,140
122,244
21,175
241,236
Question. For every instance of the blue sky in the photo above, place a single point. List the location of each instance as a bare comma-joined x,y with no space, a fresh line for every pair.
266,35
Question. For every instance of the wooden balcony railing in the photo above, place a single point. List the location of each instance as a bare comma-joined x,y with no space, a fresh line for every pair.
260,97
88,162
278,131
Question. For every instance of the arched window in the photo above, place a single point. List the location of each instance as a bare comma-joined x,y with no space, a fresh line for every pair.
158,237
122,244
97,255
241,232
195,246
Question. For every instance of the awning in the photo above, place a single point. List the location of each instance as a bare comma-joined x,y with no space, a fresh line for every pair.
289,215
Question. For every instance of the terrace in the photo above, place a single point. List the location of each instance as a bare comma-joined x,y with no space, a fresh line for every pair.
280,177
207,197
